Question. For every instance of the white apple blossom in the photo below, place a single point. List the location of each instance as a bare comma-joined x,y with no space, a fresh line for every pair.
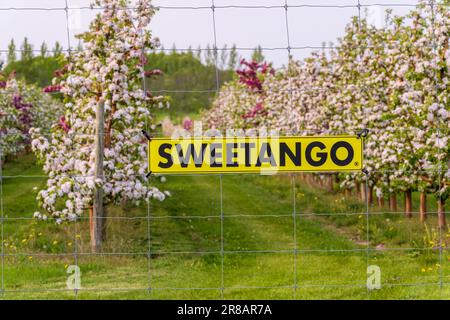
111,68
23,106
393,81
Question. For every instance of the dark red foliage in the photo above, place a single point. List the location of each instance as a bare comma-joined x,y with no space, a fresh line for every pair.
151,73
25,116
250,74
143,60
64,125
257,110
60,72
188,124
52,89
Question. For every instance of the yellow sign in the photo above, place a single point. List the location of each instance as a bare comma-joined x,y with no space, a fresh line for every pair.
255,155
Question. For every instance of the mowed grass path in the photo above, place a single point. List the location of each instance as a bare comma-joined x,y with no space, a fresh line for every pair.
184,237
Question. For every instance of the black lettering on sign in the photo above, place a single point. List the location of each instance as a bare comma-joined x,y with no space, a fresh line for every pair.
247,148
322,155
232,155
310,154
190,153
295,158
166,155
215,155
266,149
336,147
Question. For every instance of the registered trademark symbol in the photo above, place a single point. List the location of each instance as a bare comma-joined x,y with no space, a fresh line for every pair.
356,164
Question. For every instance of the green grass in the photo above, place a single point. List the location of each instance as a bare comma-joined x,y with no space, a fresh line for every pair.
185,239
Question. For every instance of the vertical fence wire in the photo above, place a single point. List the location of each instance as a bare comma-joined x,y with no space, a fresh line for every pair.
294,209
440,228
440,163
216,64
367,214
294,217
222,240
69,52
149,212
149,253
366,178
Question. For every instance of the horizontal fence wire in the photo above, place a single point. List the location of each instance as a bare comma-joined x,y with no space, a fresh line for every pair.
235,216
353,87
75,176
218,7
218,252
263,132
438,281
388,45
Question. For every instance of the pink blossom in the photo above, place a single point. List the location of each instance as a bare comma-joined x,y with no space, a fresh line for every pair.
257,110
251,74
52,89
60,72
187,124
143,60
64,124
154,72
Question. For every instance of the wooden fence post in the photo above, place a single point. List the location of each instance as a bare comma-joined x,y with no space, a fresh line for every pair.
423,206
441,213
408,203
97,217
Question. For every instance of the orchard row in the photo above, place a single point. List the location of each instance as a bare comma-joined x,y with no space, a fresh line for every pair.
393,81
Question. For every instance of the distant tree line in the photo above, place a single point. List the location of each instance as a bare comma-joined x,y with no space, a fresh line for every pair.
34,68
189,77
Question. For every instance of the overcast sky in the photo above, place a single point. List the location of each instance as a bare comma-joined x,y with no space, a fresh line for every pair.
309,26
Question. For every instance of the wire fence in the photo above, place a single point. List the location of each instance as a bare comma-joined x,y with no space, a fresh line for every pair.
299,275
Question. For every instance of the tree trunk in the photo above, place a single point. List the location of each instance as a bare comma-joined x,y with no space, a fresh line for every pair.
441,213
393,202
370,195
363,191
423,206
357,188
330,179
97,229
107,130
381,202
312,179
92,229
408,203
348,193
